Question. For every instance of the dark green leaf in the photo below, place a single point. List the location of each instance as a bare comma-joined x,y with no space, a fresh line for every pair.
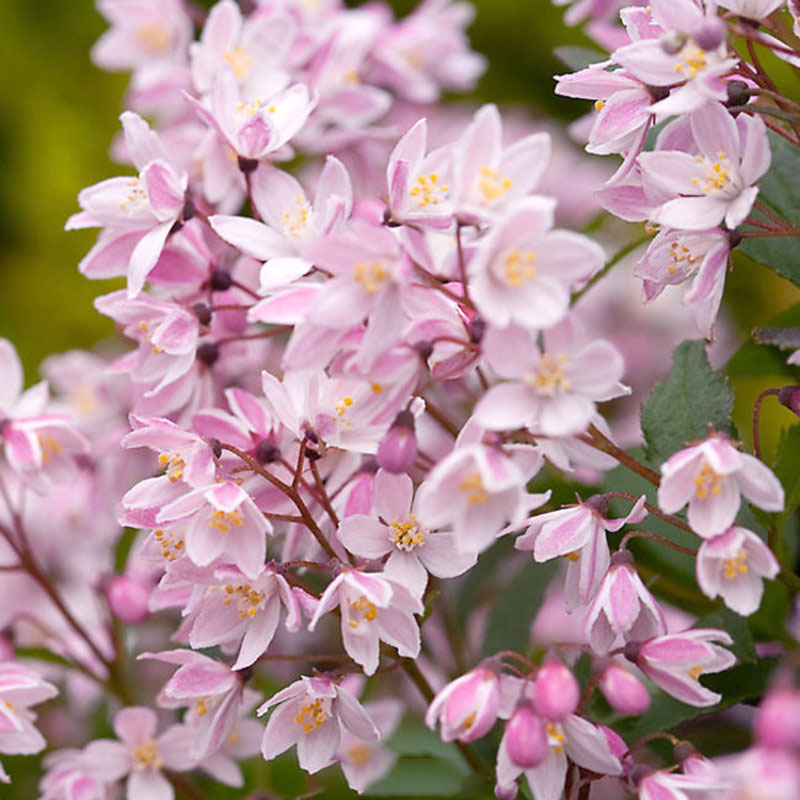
730,622
682,407
787,466
420,777
510,620
780,190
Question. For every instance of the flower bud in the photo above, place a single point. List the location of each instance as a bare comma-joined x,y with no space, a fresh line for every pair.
398,450
526,737
128,599
777,722
557,691
467,707
624,691
711,34
789,397
672,42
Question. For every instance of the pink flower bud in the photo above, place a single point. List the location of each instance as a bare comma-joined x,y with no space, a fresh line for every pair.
711,34
789,396
128,599
526,738
777,722
467,707
398,450
624,691
557,691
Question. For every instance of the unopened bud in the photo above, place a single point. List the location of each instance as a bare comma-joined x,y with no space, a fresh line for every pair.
624,691
526,737
267,452
221,280
247,165
128,599
711,34
557,691
789,397
208,353
203,313
397,452
621,557
738,93
476,330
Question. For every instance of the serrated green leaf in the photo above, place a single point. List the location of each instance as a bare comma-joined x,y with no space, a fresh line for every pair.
510,619
681,408
780,190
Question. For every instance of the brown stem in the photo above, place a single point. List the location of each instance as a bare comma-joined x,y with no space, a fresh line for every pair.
601,442
757,418
323,494
656,512
462,264
440,417
656,538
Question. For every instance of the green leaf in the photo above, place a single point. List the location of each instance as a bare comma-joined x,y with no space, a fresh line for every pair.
780,190
420,777
764,357
730,622
510,620
682,407
576,57
787,466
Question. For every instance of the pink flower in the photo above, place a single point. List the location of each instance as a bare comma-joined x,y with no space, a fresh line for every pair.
556,691
523,272
467,707
622,608
576,738
312,713
414,550
293,224
579,534
688,52
221,518
255,126
143,32
663,785
676,661
711,477
761,773
488,177
242,612
20,688
139,212
777,723
716,184
733,565
211,691
419,190
552,393
477,488
373,609
141,755
752,9
675,257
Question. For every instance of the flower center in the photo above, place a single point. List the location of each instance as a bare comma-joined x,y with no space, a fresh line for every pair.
406,535
717,175
708,482
249,601
171,547
361,610
555,738
154,37
517,267
201,707
428,191
174,465
225,520
692,60
359,754
294,221
490,185
472,485
137,197
49,447
549,378
240,60
372,276
146,755
312,716
682,258
695,672
732,568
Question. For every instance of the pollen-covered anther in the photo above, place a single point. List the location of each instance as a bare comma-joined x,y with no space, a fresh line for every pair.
472,485
311,717
295,221
429,191
407,534
225,520
240,60
733,568
371,275
692,61
145,756
249,601
49,447
519,266
174,464
555,738
490,185
171,547
708,482
363,608
549,377
153,36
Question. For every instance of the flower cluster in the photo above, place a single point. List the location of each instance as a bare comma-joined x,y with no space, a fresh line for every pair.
365,358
